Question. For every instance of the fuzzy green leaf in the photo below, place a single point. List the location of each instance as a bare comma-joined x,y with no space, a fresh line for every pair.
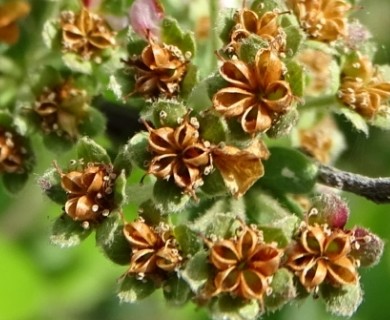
172,33
123,161
77,64
139,150
51,34
6,119
191,78
294,34
57,144
94,124
50,184
120,196
132,289
342,301
196,271
67,232
250,46
176,291
289,171
280,231
295,77
212,128
116,7
110,238
14,182
187,239
168,112
90,151
168,197
283,290
225,23
214,185
284,124
358,122
232,308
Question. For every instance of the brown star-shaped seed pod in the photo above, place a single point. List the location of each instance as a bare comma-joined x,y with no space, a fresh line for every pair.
323,20
320,255
266,26
257,94
364,90
154,249
85,33
62,109
158,71
179,154
244,265
12,152
10,13
90,192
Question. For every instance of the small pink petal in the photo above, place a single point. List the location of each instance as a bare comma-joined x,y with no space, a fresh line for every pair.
145,17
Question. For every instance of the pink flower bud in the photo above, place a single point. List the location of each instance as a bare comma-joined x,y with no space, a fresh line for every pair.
145,17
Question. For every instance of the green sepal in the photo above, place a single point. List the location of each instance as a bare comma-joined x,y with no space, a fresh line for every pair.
152,216
225,23
342,301
280,231
214,185
171,33
289,171
67,232
250,46
14,182
176,291
94,124
77,63
234,308
132,289
199,100
214,83
283,290
123,160
110,238
51,34
196,271
295,77
120,197
189,81
188,240
357,121
57,144
50,183
284,124
294,34
139,150
212,128
168,113
168,197
90,151
263,6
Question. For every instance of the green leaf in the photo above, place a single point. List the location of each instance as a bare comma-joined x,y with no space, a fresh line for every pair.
116,7
6,119
233,308
199,100
67,232
90,151
214,185
51,34
110,238
121,84
136,45
191,78
187,240
77,63
120,197
342,301
168,112
50,184
168,197
123,161
214,83
46,77
176,291
139,150
250,46
152,216
261,6
212,128
14,182
94,124
295,77
57,144
132,289
280,231
294,34
225,23
171,33
197,271
284,124
358,122
289,171
283,290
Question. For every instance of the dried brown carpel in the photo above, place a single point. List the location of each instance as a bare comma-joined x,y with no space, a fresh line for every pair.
244,265
321,254
90,192
323,20
179,154
257,94
318,67
154,249
85,33
62,109
10,12
158,71
266,26
12,152
363,89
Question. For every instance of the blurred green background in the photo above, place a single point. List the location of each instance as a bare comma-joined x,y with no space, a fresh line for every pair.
39,281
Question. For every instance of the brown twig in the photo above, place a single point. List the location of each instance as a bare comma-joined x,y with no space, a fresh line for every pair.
374,189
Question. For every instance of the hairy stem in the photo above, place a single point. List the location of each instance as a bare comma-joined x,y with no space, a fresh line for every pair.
374,189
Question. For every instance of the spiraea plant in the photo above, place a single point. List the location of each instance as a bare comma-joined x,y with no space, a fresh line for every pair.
236,134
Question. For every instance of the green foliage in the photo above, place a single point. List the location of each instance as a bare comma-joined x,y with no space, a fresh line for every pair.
67,232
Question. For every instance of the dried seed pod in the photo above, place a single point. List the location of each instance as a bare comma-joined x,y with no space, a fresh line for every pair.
85,33
244,264
257,93
12,152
